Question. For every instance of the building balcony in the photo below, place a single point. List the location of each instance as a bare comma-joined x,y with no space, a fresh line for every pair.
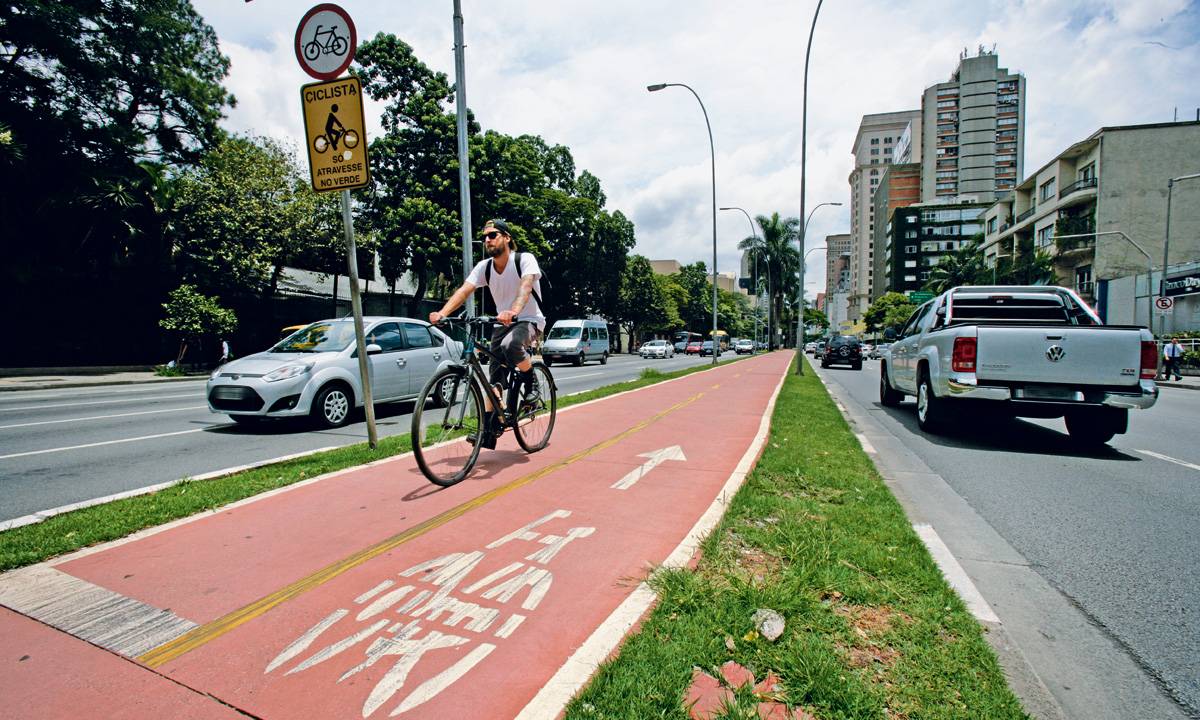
1077,185
1026,215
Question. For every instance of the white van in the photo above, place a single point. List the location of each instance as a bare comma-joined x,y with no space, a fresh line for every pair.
576,341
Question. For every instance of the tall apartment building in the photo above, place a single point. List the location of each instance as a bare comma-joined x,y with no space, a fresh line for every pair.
973,129
900,187
873,149
837,277
919,236
1112,182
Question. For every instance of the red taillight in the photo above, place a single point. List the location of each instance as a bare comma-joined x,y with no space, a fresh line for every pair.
963,359
1149,359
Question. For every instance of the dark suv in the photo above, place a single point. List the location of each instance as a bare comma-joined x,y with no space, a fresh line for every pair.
842,350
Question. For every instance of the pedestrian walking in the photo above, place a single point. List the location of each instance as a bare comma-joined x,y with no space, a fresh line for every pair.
1172,352
225,355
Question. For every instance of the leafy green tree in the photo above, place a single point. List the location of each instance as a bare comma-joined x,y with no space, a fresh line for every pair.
816,318
105,101
964,266
776,248
192,316
890,310
642,308
696,310
243,213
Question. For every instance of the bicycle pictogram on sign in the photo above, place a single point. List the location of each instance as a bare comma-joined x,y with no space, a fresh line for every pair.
325,41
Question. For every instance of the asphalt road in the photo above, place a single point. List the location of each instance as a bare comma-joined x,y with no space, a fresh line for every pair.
64,446
1115,530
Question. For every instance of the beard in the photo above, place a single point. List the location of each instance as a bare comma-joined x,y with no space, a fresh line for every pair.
497,249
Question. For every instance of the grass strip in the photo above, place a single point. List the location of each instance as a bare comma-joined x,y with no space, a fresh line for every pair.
30,544
872,629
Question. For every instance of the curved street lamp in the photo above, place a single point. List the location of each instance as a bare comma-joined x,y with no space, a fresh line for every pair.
803,257
713,156
804,183
758,298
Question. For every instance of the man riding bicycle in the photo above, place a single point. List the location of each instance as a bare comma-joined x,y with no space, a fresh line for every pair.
520,292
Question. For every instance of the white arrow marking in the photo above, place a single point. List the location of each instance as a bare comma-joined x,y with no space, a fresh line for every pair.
656,458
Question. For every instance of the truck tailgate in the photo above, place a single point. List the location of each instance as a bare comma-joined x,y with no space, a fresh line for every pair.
1093,355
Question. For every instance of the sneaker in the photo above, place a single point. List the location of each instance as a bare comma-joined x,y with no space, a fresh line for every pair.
533,391
489,440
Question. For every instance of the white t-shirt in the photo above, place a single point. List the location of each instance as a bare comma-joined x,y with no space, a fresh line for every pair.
505,286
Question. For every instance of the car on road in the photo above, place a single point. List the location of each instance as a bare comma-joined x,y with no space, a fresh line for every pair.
707,348
314,371
693,348
576,342
842,350
1021,351
810,348
877,350
744,346
656,349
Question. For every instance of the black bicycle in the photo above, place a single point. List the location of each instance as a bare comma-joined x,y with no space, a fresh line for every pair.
448,420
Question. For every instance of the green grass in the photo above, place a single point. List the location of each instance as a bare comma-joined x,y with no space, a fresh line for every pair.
70,531
873,631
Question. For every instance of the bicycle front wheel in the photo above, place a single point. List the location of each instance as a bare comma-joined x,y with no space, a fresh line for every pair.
535,420
446,427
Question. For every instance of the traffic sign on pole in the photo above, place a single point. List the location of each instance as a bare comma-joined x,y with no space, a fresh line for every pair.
326,41
1164,305
335,134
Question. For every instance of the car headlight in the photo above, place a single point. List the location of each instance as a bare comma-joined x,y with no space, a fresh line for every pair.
287,372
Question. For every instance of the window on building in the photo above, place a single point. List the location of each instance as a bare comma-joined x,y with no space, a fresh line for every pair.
887,141
910,249
924,274
874,172
874,151
1088,172
910,278
910,233
874,161
1044,236
1083,280
991,225
1048,189
910,263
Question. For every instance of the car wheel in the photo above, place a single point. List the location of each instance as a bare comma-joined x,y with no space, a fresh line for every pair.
1097,427
888,396
443,395
929,406
332,405
580,360
604,359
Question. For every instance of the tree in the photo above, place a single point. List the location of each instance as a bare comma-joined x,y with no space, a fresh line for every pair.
890,310
964,266
812,317
192,316
106,101
242,214
642,307
777,250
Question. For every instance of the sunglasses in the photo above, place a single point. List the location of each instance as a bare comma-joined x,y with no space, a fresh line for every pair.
492,235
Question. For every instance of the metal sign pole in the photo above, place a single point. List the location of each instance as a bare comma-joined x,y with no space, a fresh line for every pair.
356,304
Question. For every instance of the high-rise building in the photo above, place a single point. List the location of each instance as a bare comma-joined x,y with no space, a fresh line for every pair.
873,148
837,278
973,129
920,236
900,187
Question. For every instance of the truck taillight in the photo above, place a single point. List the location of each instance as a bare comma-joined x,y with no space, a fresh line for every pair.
1149,359
963,359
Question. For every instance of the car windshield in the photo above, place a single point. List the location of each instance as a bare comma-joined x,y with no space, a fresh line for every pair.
317,338
563,333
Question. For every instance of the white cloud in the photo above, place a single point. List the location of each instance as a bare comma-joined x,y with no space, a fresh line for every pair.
575,73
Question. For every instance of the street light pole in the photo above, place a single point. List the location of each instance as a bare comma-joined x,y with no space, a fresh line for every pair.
713,155
1149,273
803,256
804,185
757,249
1162,323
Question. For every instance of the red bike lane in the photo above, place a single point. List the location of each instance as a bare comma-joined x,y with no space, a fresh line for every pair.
371,593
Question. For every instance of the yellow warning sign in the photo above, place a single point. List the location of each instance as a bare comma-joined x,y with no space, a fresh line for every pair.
335,134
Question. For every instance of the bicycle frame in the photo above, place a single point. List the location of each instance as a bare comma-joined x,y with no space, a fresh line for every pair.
474,369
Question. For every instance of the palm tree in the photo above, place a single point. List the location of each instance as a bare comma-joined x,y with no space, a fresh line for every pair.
776,249
961,267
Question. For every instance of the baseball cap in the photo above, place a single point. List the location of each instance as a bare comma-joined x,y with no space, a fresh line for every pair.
496,225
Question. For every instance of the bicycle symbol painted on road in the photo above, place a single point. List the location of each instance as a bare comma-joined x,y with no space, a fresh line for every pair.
325,42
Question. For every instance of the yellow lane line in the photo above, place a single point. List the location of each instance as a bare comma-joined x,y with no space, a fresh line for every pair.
203,634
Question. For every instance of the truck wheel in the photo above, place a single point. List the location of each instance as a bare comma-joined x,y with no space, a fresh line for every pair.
604,359
580,360
888,396
929,406
1096,427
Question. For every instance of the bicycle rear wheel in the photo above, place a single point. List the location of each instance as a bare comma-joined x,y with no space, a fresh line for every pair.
535,421
446,426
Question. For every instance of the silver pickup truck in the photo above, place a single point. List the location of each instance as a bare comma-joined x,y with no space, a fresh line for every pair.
1023,352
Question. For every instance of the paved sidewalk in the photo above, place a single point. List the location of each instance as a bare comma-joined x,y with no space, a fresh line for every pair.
1191,382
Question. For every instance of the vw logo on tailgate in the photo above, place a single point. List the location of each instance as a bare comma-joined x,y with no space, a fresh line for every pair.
1054,353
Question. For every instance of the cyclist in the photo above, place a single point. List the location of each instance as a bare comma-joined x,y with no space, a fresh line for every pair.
334,129
520,324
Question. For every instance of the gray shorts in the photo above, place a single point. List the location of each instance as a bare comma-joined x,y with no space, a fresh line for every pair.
510,342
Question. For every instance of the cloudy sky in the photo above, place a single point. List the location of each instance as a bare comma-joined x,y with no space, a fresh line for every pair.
575,72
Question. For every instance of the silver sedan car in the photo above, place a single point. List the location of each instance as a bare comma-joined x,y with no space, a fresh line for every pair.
656,349
314,371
